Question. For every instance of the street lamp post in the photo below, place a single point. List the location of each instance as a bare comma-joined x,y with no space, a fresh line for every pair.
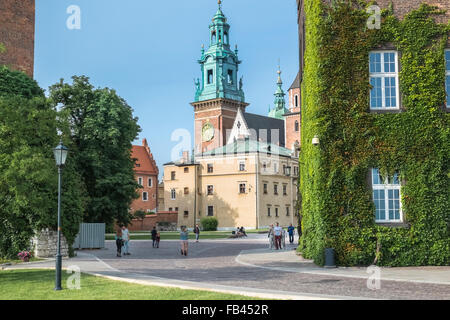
60,153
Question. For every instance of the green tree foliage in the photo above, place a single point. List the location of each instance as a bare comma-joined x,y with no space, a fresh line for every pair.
337,206
28,175
102,129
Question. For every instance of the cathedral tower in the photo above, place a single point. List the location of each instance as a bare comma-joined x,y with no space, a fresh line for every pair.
219,93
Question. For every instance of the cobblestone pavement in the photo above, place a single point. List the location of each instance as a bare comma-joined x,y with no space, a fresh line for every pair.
214,262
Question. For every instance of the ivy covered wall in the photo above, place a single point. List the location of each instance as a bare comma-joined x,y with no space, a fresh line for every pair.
337,207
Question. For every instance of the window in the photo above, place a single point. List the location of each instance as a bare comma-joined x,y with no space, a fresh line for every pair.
386,196
296,101
176,209
144,196
264,167
210,76
275,167
170,209
242,166
447,76
210,211
297,127
276,212
268,211
150,182
230,77
287,211
173,194
186,214
296,171
383,69
140,181
284,189
210,190
186,190
210,168
275,189
186,170
242,188
172,175
265,188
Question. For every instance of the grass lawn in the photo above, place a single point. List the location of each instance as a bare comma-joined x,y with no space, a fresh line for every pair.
15,261
39,284
173,235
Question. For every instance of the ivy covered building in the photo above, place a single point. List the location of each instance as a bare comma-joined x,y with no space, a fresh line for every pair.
375,185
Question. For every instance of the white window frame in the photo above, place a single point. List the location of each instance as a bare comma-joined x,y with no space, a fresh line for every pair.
144,196
150,182
173,194
383,75
447,75
141,181
243,164
386,186
245,187
207,190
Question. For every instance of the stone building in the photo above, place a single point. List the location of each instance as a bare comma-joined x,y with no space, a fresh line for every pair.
146,173
374,109
17,29
242,172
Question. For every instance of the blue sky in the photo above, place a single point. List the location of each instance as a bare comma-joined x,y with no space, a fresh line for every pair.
147,51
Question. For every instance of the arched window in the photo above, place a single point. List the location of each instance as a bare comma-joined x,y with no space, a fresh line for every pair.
296,126
213,37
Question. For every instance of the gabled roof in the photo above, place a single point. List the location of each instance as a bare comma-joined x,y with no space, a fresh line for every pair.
248,146
145,164
296,83
263,124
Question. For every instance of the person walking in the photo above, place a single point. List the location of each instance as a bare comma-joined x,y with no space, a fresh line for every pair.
119,243
158,239
184,236
126,240
277,231
291,231
270,236
197,232
154,233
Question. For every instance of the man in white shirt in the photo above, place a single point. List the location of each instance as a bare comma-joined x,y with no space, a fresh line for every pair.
126,239
278,232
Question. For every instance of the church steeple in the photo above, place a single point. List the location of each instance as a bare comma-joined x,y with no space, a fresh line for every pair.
219,64
280,102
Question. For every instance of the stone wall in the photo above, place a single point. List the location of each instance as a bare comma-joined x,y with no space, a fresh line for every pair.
161,220
45,243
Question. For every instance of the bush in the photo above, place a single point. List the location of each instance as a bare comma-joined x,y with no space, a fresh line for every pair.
209,224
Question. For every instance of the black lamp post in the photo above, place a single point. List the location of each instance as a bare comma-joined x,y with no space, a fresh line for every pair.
60,153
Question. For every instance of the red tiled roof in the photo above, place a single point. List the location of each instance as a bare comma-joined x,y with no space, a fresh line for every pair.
145,164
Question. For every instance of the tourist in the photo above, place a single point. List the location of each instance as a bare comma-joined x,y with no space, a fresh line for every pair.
270,236
291,231
154,233
119,243
158,239
197,232
184,236
125,239
278,232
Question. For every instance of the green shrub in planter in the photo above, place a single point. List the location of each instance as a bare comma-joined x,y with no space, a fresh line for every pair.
209,224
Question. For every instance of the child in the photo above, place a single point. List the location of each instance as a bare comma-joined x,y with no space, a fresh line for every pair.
158,238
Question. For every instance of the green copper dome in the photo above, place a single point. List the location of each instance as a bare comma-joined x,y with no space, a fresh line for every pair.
219,65
280,102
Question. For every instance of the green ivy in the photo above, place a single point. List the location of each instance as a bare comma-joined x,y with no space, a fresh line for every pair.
337,206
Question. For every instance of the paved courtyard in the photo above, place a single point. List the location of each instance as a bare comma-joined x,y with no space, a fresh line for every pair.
246,265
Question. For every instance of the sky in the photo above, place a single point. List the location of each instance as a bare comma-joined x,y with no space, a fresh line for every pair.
147,50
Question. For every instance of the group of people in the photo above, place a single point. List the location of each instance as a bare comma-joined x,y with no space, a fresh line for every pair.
277,236
241,232
122,241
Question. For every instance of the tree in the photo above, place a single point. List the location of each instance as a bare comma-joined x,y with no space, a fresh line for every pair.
102,129
28,176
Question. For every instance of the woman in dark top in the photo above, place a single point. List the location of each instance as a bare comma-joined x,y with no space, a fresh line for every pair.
119,242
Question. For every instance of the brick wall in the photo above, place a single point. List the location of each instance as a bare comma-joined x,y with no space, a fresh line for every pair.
151,221
402,7
17,27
